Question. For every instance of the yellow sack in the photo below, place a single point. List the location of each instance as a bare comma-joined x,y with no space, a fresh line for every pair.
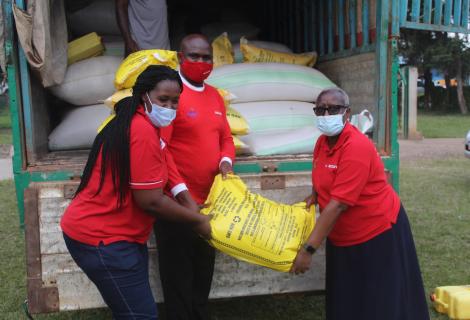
222,50
117,96
238,124
84,47
227,96
254,229
240,146
136,62
255,54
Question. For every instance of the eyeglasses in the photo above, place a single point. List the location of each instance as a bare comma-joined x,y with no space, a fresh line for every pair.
332,110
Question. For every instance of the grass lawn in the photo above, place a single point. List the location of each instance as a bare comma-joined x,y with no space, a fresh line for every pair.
5,125
443,126
436,195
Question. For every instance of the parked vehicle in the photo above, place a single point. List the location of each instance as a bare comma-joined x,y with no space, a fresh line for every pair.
467,145
363,62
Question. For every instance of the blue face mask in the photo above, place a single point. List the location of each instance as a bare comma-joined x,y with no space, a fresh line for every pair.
330,125
160,116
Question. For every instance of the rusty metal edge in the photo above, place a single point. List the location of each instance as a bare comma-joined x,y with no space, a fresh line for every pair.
40,299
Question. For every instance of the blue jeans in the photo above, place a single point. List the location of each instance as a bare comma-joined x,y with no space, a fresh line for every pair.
120,272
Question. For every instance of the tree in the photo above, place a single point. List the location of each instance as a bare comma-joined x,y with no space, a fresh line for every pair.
414,47
440,51
451,55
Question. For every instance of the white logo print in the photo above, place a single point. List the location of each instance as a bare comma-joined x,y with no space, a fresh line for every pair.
331,166
218,113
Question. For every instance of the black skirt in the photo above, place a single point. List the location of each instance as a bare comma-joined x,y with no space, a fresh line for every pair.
379,279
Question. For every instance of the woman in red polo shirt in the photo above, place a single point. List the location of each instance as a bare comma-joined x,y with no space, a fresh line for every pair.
107,224
372,270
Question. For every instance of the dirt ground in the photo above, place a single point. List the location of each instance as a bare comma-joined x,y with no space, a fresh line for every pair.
431,149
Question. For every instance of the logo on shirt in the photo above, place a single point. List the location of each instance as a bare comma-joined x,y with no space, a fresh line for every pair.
192,114
217,113
331,166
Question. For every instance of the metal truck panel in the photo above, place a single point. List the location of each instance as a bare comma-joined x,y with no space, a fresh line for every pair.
55,282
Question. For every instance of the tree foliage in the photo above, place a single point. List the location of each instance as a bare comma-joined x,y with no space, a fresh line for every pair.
440,51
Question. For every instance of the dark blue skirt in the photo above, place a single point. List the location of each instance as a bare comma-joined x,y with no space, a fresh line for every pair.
376,280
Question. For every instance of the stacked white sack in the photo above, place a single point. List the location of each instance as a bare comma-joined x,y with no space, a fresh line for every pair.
275,116
286,127
87,83
78,128
277,101
251,82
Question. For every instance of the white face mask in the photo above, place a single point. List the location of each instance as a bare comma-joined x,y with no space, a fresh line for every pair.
330,125
160,116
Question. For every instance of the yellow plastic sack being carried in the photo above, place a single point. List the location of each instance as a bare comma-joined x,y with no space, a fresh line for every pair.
255,54
254,229
135,63
222,50
238,124
117,96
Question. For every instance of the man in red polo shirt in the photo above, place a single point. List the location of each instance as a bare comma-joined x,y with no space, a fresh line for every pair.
201,144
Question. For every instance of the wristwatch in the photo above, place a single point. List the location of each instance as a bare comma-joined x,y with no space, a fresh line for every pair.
309,248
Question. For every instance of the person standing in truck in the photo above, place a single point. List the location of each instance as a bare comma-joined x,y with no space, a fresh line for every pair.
108,223
143,24
372,270
202,146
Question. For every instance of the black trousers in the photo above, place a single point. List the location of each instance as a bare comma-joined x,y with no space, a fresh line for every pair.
186,267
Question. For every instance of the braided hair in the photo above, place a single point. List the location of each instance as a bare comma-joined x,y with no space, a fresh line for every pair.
114,140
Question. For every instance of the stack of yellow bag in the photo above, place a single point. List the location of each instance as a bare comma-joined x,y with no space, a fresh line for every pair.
222,51
238,125
253,54
223,54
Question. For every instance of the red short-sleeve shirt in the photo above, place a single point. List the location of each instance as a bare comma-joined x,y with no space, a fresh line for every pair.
92,219
353,173
199,138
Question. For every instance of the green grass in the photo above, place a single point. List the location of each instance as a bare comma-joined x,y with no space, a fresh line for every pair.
435,193
5,136
443,126
12,263
5,125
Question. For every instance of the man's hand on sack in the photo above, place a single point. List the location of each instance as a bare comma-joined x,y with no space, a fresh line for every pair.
225,169
184,198
302,262
203,228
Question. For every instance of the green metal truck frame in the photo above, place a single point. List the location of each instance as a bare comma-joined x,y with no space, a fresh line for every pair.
307,24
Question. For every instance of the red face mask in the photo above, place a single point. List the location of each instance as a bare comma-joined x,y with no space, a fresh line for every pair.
196,71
